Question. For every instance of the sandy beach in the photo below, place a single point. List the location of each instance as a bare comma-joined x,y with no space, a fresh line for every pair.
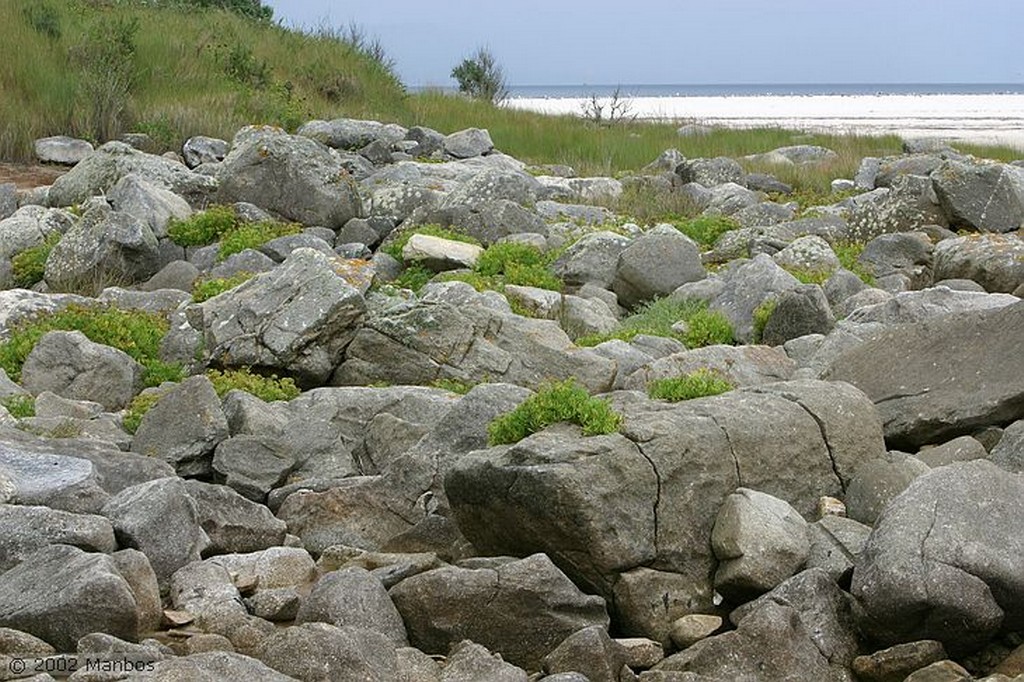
979,119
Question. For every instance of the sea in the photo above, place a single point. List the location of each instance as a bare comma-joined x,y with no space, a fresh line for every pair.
763,89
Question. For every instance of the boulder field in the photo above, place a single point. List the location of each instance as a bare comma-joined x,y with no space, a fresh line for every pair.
852,508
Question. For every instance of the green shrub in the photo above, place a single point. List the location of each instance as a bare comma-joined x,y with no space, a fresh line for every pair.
137,333
481,77
44,19
700,327
848,252
561,401
20,406
414,277
253,236
268,389
761,315
698,384
205,289
204,227
29,266
706,229
707,328
137,409
497,258
394,247
473,279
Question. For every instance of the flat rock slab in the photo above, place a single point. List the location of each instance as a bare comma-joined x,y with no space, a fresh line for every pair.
938,379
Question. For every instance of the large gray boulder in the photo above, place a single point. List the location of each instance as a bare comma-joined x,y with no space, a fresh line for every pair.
591,260
986,197
941,378
614,524
212,666
289,175
933,302
349,134
102,169
26,528
1009,451
319,651
102,248
798,312
469,662
30,226
62,149
297,319
152,204
740,365
232,523
655,264
200,149
759,541
39,476
936,568
521,609
70,365
748,286
469,342
353,597
60,594
160,519
711,172
492,185
469,143
995,261
184,427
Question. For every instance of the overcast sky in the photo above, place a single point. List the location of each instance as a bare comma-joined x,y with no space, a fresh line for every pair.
595,42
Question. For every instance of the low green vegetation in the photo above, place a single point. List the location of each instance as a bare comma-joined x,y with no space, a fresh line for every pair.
20,406
137,409
137,333
762,313
453,385
805,276
560,401
519,264
848,252
648,204
204,227
698,384
29,266
253,236
204,289
223,224
706,229
687,321
413,277
266,388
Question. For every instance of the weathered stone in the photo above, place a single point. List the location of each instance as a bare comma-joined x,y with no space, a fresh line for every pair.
289,175
655,264
809,254
298,318
692,628
836,542
61,149
353,597
184,427
589,651
936,568
232,523
30,226
798,312
1009,451
24,529
72,366
995,261
213,665
740,365
468,143
60,594
253,465
347,133
160,519
711,172
103,247
937,379
592,259
746,288
468,661
895,663
320,651
877,483
39,476
440,254
521,610
152,204
135,568
962,449
200,149
102,169
988,197
759,541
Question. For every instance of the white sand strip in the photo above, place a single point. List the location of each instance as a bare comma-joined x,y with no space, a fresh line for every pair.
982,119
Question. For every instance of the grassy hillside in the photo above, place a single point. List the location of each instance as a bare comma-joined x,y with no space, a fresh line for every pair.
99,68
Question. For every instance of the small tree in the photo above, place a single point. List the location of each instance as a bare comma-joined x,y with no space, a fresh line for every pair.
481,77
